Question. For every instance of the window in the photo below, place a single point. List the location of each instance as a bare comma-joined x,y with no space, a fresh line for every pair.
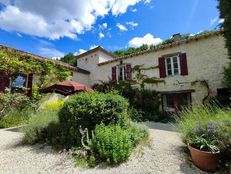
170,101
176,102
121,72
18,82
172,66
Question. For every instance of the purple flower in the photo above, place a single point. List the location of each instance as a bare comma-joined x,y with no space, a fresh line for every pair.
197,131
211,128
81,130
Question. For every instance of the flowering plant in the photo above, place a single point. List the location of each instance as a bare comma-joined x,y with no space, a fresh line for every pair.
204,137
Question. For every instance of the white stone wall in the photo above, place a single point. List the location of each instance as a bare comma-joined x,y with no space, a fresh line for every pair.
81,78
89,62
205,58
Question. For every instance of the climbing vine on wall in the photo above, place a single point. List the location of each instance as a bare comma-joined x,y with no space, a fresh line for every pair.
12,62
206,85
142,78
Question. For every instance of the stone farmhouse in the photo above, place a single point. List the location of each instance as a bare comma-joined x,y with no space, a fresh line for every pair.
191,69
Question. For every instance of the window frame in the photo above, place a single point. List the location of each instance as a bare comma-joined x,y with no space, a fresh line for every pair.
123,66
15,89
172,65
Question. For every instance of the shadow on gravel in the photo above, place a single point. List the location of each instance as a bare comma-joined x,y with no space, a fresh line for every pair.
161,126
187,167
15,129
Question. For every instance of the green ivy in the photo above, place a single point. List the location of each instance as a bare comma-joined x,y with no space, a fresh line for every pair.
12,61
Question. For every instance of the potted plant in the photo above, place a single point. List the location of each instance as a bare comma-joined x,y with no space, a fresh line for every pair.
203,147
206,131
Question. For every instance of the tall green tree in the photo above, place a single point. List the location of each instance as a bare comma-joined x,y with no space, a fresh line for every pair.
224,7
70,59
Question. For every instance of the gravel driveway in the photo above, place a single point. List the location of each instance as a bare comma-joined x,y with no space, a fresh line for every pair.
165,156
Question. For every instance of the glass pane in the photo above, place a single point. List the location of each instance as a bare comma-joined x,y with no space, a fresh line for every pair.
176,71
168,60
174,59
124,74
170,72
169,66
170,101
18,83
183,101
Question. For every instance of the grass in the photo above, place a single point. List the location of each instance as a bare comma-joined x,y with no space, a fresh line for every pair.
15,118
200,116
42,127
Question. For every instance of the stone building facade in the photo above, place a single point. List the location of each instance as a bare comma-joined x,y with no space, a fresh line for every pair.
191,69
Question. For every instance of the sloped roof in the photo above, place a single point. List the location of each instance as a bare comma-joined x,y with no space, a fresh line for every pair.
67,88
99,48
165,46
43,59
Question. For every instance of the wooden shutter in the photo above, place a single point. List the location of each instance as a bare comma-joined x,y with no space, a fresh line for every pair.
29,84
162,69
128,72
4,81
183,64
114,73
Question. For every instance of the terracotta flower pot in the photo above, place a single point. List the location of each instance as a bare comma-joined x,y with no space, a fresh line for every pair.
207,161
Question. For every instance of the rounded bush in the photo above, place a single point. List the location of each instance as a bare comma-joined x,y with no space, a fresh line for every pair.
112,143
87,110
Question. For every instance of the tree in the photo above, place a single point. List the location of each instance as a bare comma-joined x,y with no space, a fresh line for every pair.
70,59
225,13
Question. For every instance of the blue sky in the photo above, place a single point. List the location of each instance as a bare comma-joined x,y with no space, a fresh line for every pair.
53,28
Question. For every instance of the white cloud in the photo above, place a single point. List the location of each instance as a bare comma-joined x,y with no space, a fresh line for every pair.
104,25
132,24
147,39
213,21
216,20
147,1
101,35
93,46
54,19
80,51
121,27
50,52
120,6
134,10
221,21
19,35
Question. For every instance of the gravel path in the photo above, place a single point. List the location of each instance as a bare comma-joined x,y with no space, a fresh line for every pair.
165,156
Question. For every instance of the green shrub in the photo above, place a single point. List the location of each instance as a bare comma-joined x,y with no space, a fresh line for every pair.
43,126
13,101
138,133
53,105
112,143
87,110
145,102
135,115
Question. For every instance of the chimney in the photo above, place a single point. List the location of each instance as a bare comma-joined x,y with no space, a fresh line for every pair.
177,37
